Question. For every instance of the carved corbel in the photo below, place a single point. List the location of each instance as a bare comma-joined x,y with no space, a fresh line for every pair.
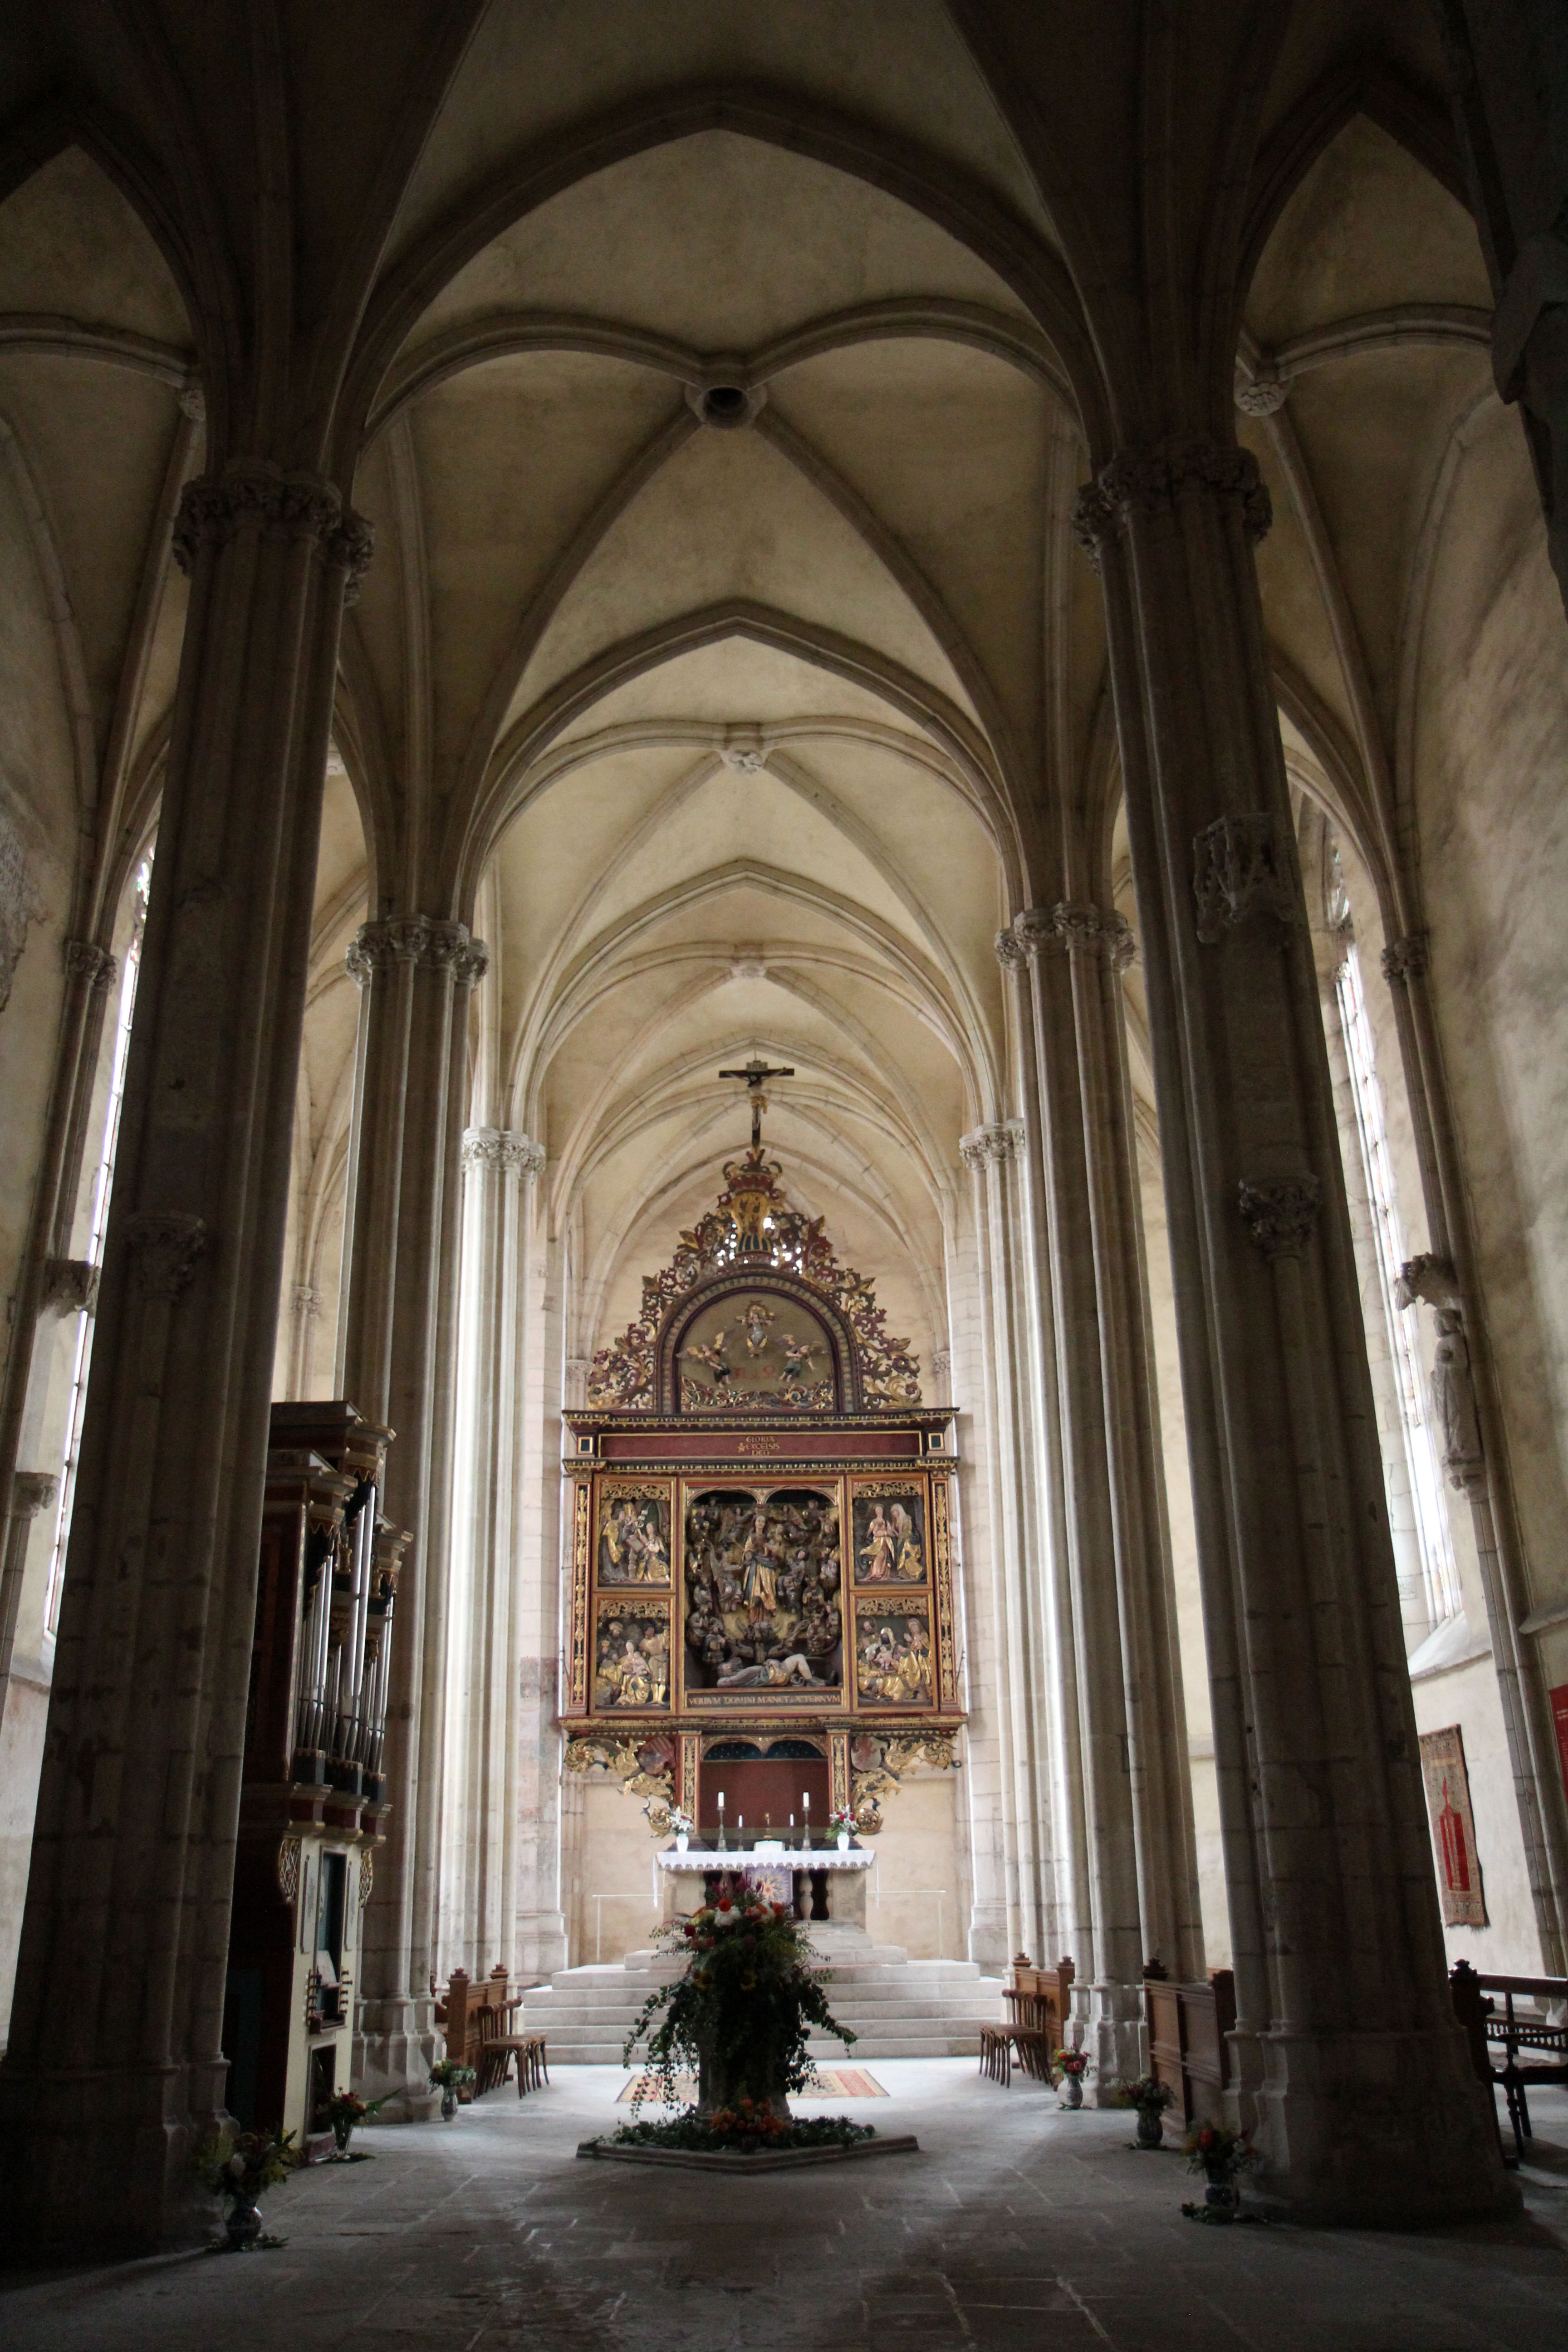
70,1287
167,1249
1238,872
1406,959
1282,1218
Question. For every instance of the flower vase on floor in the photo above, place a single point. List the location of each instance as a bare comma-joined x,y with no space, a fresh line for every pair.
243,2226
1220,2195
1148,2098
448,2077
449,2104
1072,2091
1151,2128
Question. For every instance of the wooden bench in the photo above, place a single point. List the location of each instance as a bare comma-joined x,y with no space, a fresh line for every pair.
472,2016
1511,2029
1037,2006
1188,2051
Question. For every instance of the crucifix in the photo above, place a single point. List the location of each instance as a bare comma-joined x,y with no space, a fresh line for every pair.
754,1073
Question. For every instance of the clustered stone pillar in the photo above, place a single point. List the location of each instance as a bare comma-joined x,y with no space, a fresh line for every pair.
1015,1873
498,1170
1118,1659
128,1903
1351,2062
416,973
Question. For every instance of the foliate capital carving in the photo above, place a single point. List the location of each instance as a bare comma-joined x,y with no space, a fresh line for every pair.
1263,394
1282,1218
1120,946
1009,951
494,1147
1036,932
425,940
348,548
471,963
70,1285
1093,520
1406,959
85,960
33,1491
1077,924
166,1247
307,1300
253,494
1238,872
1148,482
993,1146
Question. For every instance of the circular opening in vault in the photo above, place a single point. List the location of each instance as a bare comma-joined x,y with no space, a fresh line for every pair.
724,403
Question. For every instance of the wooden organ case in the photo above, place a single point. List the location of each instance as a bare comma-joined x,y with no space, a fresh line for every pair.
312,1793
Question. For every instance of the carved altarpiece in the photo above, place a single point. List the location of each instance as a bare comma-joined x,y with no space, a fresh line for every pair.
760,1554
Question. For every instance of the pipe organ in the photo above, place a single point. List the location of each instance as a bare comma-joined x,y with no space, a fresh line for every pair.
312,1797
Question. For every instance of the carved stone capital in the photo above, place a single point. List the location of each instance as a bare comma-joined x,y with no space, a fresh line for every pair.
425,940
253,494
1238,872
1076,923
1118,942
33,1491
471,964
167,1247
1406,959
192,402
1036,932
348,549
306,1301
1093,520
1282,1218
993,1146
1263,394
70,1285
1148,482
1009,951
85,960
494,1147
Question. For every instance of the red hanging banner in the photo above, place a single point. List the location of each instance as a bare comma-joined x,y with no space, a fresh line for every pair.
1559,1699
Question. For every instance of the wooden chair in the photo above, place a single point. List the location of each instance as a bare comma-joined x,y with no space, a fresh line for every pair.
1511,2031
996,2053
532,2061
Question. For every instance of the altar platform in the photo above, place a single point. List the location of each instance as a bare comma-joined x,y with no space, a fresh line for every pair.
898,2007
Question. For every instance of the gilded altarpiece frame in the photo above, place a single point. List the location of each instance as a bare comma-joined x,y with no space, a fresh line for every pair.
627,1652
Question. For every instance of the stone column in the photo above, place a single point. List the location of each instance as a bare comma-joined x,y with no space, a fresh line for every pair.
540,1930
416,973
1126,1685
1349,2061
133,1853
994,1154
484,1754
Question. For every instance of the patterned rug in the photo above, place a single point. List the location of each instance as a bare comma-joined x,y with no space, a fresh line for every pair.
827,2083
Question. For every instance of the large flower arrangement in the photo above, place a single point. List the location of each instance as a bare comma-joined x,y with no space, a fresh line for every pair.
740,2016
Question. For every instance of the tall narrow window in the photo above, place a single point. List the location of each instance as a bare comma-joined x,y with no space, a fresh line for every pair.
81,1357
1425,1475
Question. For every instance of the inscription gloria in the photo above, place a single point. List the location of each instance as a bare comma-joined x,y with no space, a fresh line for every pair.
754,1446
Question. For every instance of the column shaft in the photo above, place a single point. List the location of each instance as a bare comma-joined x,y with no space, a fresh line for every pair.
1352,2065
401,1282
133,1853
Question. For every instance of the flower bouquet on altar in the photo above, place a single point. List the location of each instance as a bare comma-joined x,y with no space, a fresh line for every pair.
842,1820
239,2166
680,1824
739,2019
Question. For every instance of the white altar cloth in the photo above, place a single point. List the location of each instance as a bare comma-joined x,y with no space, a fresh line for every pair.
772,1857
